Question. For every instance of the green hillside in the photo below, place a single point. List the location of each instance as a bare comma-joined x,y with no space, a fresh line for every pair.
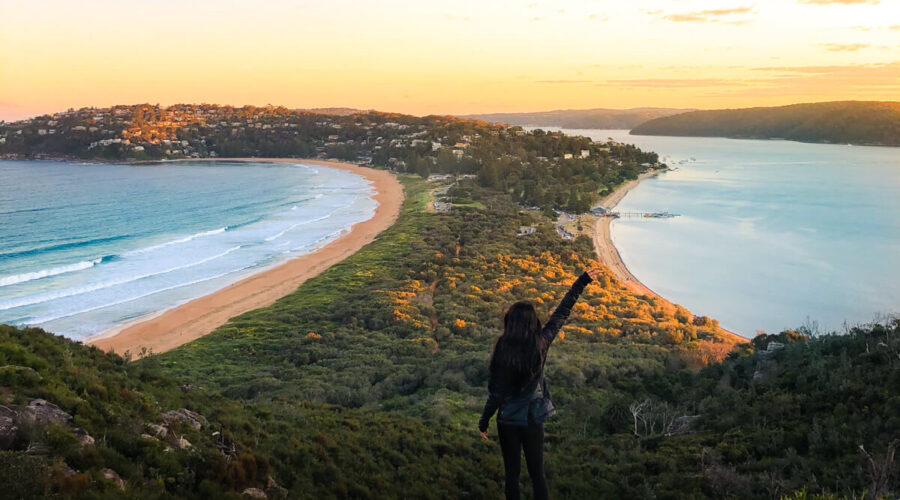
846,122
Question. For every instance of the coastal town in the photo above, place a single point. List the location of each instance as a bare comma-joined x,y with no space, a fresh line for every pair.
436,147
189,131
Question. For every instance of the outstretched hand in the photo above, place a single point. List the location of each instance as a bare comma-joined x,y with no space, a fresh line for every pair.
594,273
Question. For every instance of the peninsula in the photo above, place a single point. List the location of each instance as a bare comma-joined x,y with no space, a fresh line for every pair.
875,123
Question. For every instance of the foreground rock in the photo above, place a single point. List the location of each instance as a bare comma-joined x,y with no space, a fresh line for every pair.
38,412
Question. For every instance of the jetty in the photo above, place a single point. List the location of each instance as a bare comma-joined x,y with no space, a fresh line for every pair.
601,211
645,215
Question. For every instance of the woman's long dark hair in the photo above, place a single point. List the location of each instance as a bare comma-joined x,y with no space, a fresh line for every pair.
521,346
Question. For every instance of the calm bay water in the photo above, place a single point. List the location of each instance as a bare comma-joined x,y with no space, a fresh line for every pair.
770,233
85,247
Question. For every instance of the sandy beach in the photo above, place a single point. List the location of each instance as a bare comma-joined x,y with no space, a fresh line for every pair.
199,317
608,254
603,244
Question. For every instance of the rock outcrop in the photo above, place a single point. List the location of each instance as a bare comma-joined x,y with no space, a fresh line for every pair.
38,412
8,428
185,416
159,431
255,493
42,412
183,444
111,475
274,490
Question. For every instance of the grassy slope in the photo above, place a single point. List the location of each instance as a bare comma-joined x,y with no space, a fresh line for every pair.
405,325
315,451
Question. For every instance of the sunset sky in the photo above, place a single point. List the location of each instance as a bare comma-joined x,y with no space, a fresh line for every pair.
446,57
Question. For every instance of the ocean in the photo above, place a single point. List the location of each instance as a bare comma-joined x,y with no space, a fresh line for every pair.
85,247
771,234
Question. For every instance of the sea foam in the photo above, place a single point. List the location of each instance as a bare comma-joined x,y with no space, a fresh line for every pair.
169,234
15,279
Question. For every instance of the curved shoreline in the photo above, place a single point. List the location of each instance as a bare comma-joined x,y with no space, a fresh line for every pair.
189,321
606,251
609,256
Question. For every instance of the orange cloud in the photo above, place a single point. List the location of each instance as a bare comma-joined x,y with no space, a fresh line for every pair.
871,28
674,82
563,81
862,79
805,69
845,47
709,15
840,2
793,82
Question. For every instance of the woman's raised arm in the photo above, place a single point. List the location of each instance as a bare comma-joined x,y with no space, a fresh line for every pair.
561,314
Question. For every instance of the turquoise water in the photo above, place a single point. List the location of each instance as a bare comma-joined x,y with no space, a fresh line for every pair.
85,247
770,233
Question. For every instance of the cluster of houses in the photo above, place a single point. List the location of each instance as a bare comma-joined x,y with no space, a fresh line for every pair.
564,233
184,130
585,153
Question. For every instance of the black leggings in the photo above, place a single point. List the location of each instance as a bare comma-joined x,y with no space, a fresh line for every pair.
513,439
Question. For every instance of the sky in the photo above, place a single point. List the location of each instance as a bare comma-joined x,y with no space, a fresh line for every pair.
442,57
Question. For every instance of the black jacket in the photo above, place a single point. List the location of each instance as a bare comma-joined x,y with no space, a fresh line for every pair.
505,385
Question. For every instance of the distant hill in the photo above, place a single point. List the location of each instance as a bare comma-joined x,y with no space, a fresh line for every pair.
581,118
333,111
843,122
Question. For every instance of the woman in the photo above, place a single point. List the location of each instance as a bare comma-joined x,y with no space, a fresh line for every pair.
518,389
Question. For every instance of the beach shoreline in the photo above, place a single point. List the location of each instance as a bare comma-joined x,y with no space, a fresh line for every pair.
608,254
606,251
171,328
